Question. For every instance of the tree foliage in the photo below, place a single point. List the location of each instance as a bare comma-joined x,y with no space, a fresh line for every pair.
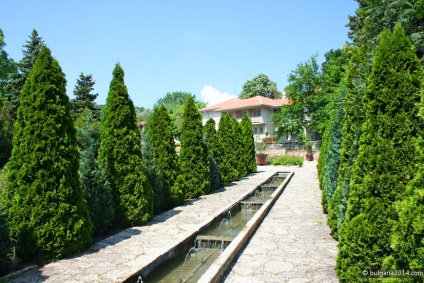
333,92
7,66
44,202
372,17
386,159
194,178
121,157
12,78
307,101
227,159
84,96
357,74
212,142
16,80
248,146
164,157
259,85
408,234
174,102
95,185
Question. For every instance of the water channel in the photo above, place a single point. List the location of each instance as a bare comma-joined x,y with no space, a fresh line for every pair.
190,265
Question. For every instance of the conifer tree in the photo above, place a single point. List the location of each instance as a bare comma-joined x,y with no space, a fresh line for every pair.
47,215
408,234
11,92
211,140
236,153
357,73
194,178
225,158
84,96
164,156
248,146
120,155
152,173
386,159
95,185
17,79
5,243
332,158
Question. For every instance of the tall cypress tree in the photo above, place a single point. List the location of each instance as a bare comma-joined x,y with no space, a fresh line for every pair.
225,158
357,73
248,146
47,215
408,234
211,140
164,156
386,159
332,158
236,154
11,92
96,186
121,157
194,178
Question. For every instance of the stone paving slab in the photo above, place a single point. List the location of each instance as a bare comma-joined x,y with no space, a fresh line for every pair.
118,257
293,243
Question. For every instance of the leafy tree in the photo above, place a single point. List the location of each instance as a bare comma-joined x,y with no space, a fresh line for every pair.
44,201
372,17
259,85
96,187
194,178
357,73
174,102
248,146
226,159
211,139
120,155
165,157
84,96
386,159
304,91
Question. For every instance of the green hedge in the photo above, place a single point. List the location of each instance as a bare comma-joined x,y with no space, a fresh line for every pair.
286,160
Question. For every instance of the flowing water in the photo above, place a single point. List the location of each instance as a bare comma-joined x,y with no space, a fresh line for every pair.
213,240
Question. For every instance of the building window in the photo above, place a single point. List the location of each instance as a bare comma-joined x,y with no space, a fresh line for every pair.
258,130
256,112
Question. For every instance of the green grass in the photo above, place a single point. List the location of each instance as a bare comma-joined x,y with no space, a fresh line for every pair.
286,160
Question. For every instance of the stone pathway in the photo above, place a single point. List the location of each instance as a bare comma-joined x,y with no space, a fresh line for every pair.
293,243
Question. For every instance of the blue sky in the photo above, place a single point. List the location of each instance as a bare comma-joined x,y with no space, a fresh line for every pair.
207,47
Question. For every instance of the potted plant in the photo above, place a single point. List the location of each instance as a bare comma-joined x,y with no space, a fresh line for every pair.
261,157
309,153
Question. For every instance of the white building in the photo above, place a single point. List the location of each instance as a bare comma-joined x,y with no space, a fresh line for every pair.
258,108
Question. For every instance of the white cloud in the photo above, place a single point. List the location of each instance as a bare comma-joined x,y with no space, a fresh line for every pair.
213,96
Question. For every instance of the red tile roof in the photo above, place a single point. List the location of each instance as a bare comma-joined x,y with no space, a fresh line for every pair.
236,103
